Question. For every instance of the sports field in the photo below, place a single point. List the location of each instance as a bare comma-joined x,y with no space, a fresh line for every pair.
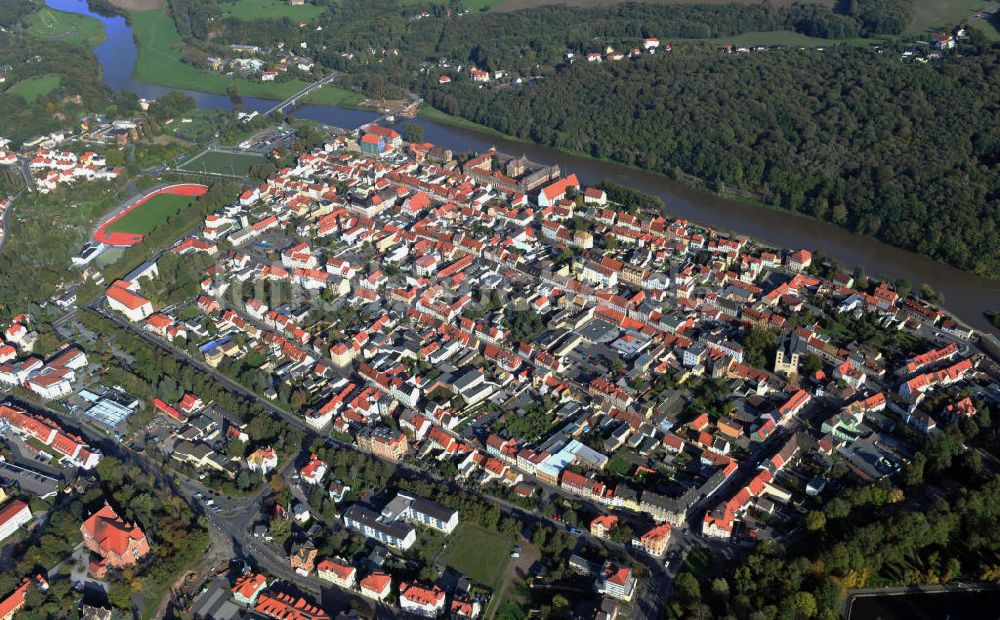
271,9
33,88
478,553
146,213
222,163
151,214
159,62
48,23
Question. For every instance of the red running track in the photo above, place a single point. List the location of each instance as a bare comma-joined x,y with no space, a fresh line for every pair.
123,239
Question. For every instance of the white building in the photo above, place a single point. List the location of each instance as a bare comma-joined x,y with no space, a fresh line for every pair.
12,516
133,306
421,601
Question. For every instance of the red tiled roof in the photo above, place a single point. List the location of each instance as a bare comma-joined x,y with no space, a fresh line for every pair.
110,531
8,512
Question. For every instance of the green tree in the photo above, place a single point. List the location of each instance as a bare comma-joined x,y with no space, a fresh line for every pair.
815,521
759,347
560,606
280,530
804,603
414,132
914,475
687,588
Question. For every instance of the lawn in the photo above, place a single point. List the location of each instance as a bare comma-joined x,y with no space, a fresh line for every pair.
33,88
223,163
159,62
619,464
48,23
478,553
929,15
271,9
437,116
152,213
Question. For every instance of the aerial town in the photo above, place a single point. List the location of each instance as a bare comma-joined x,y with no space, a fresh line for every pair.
499,310
640,386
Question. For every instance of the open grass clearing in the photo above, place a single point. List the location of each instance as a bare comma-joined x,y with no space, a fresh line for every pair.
222,163
249,10
33,88
47,23
478,553
151,214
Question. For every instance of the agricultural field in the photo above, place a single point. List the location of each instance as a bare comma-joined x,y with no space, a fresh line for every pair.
930,15
479,553
152,213
47,23
223,163
33,88
271,9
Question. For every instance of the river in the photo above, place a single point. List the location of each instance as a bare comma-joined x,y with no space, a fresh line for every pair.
969,605
966,294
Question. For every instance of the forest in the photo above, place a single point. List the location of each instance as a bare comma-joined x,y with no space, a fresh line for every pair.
906,153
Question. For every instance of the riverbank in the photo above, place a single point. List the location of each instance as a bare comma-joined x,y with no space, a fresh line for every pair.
434,115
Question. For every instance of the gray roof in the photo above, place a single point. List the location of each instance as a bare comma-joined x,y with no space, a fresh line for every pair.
216,603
